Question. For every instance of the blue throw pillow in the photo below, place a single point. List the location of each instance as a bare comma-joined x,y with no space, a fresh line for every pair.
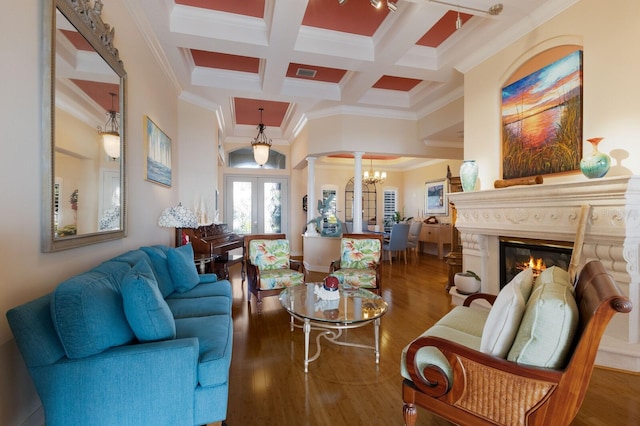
148,314
160,264
182,268
87,312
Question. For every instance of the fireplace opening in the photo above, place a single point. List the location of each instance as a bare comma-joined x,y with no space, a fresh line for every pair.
517,254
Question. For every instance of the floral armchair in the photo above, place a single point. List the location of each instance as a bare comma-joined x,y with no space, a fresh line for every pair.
359,264
269,267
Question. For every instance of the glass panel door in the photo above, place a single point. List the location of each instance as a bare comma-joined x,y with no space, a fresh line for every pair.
256,205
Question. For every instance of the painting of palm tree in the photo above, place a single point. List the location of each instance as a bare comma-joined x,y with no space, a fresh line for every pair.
542,120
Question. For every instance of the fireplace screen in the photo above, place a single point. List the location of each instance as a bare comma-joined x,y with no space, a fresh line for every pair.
519,254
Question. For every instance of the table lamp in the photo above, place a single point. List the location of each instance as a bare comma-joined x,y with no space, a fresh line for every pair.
178,217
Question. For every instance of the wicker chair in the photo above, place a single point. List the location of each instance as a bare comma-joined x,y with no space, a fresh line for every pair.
359,261
269,268
482,389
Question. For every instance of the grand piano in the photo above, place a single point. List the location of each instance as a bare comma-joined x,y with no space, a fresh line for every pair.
215,242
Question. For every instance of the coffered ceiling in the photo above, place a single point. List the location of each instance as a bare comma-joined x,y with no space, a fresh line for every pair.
300,59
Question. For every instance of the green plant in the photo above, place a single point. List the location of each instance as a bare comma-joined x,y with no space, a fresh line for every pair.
469,273
397,218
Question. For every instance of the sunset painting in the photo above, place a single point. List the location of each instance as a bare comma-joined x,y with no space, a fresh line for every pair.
542,120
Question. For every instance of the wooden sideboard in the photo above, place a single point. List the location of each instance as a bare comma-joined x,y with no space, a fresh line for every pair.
438,233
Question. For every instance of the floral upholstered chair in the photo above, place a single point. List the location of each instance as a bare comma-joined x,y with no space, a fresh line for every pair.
269,267
359,264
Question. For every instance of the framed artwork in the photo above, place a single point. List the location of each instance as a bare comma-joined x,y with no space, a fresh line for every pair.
157,149
542,119
436,197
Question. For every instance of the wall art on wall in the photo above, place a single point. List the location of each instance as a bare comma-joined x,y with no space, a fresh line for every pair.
435,197
542,118
157,148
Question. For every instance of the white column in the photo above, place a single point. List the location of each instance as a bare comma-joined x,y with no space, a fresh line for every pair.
357,193
312,203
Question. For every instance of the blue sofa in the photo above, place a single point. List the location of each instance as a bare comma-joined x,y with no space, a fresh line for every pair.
140,339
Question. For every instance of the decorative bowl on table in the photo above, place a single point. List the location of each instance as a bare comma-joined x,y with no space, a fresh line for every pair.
331,283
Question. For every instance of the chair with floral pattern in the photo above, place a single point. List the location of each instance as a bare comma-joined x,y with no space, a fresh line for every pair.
269,267
359,264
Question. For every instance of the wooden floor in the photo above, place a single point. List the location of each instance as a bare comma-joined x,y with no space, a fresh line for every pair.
344,386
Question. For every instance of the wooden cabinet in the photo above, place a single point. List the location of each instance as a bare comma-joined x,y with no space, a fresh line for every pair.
439,234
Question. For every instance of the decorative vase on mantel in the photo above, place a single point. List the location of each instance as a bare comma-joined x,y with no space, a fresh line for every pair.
596,164
468,175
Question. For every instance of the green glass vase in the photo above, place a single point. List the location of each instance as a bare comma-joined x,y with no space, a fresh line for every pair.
596,164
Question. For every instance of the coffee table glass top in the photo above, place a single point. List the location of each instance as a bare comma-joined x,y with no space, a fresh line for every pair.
353,305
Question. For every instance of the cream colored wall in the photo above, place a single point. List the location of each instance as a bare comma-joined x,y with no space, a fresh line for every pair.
198,159
607,31
26,271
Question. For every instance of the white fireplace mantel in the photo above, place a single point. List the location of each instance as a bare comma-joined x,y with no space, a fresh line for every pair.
551,211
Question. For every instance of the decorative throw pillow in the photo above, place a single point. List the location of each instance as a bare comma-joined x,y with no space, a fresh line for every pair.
87,312
147,312
182,268
547,329
505,315
160,265
555,275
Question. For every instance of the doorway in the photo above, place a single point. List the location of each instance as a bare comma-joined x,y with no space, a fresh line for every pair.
257,205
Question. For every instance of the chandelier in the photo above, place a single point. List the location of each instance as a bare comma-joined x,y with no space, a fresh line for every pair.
111,133
261,144
372,178
377,4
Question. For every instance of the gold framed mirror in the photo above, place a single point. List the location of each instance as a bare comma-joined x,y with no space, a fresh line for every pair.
84,191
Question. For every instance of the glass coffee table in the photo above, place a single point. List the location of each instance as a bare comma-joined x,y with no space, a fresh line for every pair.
331,313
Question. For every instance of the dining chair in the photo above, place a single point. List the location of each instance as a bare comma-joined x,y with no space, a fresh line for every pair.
413,243
398,240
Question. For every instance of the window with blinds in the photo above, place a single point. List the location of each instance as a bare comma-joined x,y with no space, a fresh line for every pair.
390,197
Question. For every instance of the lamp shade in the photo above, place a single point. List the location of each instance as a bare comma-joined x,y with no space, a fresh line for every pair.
178,217
261,153
111,143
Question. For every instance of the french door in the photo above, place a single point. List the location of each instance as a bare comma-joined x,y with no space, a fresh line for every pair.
256,205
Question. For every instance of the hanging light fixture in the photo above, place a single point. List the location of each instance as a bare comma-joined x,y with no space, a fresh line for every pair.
458,21
371,177
111,133
261,144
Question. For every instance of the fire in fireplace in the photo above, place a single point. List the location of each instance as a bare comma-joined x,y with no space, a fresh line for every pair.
517,254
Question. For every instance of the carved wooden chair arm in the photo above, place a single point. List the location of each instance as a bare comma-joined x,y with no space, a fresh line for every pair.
296,265
491,298
479,376
335,265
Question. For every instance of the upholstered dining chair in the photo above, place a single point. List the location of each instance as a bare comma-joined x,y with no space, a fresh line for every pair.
269,266
398,240
413,242
359,264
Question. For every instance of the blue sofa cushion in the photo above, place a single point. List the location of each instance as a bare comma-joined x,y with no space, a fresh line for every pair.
205,289
182,268
158,256
148,314
199,306
87,311
215,336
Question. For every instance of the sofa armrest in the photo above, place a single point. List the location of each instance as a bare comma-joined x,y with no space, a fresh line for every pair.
134,382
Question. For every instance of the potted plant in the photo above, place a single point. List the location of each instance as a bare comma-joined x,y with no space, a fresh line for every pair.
467,282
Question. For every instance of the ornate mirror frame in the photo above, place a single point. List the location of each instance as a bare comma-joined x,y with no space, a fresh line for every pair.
86,19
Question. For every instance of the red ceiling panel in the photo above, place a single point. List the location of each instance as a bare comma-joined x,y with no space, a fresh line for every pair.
329,75
396,83
101,93
253,8
224,61
442,29
77,40
247,111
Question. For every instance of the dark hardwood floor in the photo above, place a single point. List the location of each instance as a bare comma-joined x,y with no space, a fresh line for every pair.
344,386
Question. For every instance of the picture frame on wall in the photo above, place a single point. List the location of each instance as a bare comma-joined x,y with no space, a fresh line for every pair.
435,196
157,154
541,115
